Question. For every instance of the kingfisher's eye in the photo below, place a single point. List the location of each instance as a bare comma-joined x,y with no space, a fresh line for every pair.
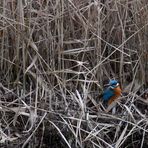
113,85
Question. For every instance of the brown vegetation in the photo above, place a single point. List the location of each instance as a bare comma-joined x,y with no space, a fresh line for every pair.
55,56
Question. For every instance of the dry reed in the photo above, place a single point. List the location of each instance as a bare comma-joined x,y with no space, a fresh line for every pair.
55,56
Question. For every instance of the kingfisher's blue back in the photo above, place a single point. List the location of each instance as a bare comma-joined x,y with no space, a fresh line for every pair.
108,93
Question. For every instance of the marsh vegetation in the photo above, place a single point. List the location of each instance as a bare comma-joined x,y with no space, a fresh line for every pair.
56,56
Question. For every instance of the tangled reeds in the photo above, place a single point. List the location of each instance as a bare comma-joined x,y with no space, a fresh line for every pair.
55,56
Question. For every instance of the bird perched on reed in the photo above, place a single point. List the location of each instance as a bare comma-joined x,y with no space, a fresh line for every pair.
112,92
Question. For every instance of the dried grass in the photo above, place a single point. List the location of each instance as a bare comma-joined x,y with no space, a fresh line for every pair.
55,57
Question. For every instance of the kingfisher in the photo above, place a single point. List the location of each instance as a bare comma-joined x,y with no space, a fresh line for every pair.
112,92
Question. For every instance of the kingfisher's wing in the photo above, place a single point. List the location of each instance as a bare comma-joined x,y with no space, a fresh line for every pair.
107,94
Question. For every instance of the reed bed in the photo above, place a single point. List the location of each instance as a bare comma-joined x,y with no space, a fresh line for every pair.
56,56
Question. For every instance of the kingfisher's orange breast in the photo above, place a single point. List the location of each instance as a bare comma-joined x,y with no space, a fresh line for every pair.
117,92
